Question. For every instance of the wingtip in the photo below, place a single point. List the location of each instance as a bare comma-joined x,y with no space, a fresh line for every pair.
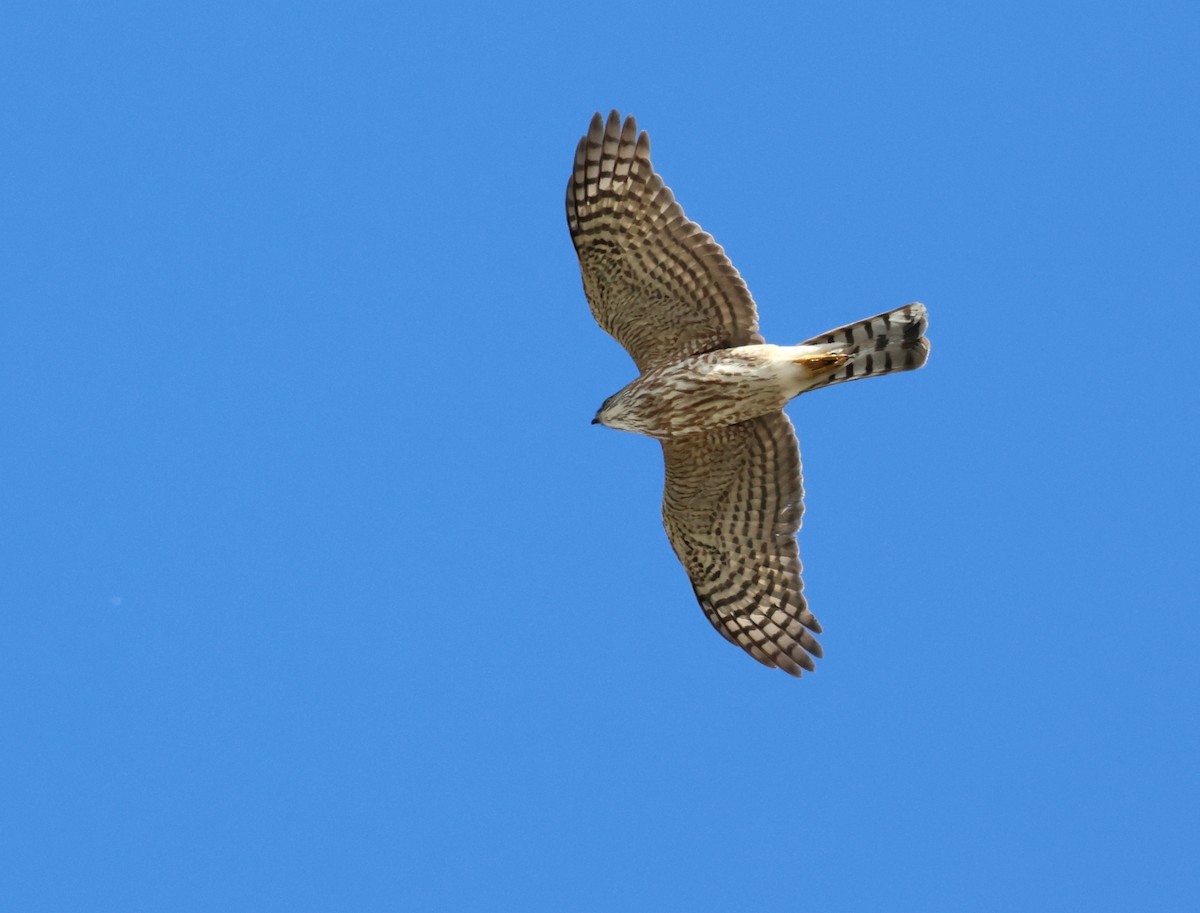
616,127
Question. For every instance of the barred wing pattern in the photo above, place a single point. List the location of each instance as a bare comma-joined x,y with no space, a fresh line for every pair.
732,506
659,284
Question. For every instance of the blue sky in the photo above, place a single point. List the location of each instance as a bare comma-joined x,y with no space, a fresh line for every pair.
322,593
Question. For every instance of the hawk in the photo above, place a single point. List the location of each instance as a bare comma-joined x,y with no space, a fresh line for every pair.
712,391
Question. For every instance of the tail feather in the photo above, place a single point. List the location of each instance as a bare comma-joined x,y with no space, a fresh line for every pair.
889,342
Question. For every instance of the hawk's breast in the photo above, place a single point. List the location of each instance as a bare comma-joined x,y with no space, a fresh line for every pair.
703,392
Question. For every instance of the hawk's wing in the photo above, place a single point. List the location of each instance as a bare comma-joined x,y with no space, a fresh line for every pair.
732,505
655,280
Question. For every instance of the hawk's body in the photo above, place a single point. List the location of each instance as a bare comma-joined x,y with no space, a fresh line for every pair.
712,390
715,389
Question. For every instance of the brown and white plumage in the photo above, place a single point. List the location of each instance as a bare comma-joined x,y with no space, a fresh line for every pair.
656,281
731,506
712,391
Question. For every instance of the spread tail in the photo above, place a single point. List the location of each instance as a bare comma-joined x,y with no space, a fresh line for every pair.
894,341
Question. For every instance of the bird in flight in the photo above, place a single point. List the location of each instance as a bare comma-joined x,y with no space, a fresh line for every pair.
712,391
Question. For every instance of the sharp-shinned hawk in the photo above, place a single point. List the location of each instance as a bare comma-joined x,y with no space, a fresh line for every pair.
712,391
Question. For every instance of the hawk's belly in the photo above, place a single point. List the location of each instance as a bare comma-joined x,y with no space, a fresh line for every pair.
704,392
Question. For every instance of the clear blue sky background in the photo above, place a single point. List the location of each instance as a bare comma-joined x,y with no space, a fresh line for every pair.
320,592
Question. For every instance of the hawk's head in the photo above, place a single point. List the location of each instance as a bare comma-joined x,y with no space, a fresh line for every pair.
616,412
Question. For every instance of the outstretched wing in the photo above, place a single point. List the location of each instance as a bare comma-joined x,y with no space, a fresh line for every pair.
656,281
732,505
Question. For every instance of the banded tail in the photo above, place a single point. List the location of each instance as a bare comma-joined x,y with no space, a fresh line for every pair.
889,342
